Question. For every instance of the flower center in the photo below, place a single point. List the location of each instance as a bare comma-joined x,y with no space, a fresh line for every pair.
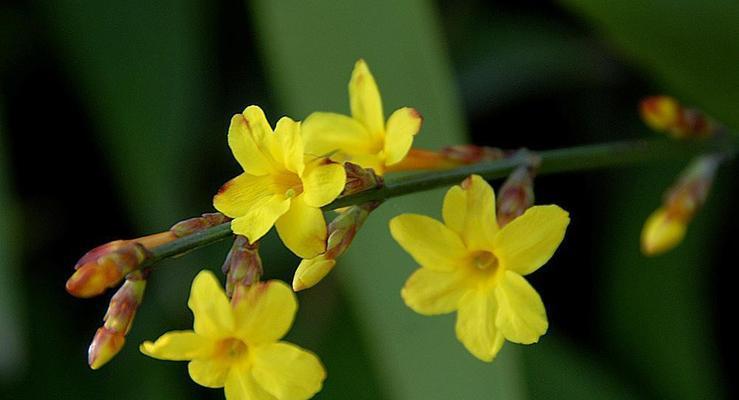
289,184
485,261
485,268
231,349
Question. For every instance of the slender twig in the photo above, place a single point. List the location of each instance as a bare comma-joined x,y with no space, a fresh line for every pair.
579,158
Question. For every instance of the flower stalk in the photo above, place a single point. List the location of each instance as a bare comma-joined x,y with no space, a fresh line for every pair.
580,158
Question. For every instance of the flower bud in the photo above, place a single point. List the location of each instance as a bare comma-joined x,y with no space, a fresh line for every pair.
359,179
94,276
665,114
311,271
109,338
471,154
105,345
341,232
243,266
516,195
192,225
665,228
446,158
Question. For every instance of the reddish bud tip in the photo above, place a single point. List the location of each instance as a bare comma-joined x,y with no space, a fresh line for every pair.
105,345
92,278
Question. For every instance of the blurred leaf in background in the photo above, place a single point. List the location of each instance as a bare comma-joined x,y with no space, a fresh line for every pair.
310,49
657,309
691,47
13,362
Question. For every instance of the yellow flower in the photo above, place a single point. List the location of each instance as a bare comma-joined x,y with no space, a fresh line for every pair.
280,185
364,138
470,265
237,346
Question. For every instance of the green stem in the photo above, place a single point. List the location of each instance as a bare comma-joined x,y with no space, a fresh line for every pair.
579,158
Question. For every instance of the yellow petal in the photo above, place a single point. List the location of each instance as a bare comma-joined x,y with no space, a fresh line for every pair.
428,241
430,292
209,372
288,372
265,312
521,315
311,271
244,149
364,99
661,233
475,326
303,229
530,240
291,144
239,195
323,182
264,138
210,307
241,385
469,210
259,219
177,346
402,125
329,133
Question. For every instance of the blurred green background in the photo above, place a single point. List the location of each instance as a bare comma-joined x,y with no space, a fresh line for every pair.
113,118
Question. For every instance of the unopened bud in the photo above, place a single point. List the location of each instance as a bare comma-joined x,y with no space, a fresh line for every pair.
446,158
359,179
105,345
192,225
341,232
243,266
311,271
109,338
471,154
665,114
516,195
96,275
665,228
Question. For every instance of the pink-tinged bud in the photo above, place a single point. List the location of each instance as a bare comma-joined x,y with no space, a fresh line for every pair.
192,225
341,232
665,228
359,179
118,319
107,270
516,195
243,266
665,114
105,345
446,158
471,154
101,250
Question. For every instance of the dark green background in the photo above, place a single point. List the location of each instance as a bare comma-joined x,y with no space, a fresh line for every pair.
112,124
